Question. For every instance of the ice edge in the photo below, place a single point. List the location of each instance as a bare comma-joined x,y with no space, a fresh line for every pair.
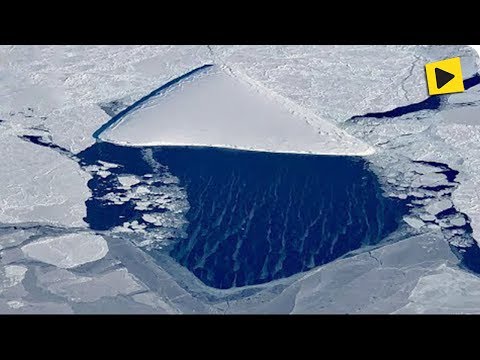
295,109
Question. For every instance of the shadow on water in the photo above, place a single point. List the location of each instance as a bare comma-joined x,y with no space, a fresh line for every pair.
431,103
136,104
255,217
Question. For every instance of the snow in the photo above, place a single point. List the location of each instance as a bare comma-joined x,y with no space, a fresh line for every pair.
103,173
14,304
88,289
63,93
163,207
214,108
40,185
449,136
446,290
67,251
128,181
13,275
66,84
461,130
319,78
378,281
414,222
459,221
107,165
14,238
155,301
61,89
439,206
430,179
477,49
427,217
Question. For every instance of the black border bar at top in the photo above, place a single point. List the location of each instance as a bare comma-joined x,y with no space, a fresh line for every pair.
192,26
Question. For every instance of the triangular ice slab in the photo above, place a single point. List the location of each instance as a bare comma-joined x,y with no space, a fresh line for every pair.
212,107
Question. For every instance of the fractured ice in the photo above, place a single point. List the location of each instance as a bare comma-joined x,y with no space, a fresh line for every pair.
426,158
67,251
211,107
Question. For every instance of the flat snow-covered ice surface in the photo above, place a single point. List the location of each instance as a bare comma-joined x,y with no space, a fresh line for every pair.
214,108
53,98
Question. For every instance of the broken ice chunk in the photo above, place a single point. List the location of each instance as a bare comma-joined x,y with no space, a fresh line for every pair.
431,179
103,173
437,207
414,222
67,251
458,221
107,165
128,181
427,217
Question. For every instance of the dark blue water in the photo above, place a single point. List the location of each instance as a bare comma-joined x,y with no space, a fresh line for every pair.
471,82
39,140
100,215
450,173
255,217
430,103
470,257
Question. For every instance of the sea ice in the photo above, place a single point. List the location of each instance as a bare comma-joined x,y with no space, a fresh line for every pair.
40,185
67,251
437,207
65,85
128,181
59,91
427,217
15,304
458,221
414,222
320,78
87,289
445,290
11,275
214,108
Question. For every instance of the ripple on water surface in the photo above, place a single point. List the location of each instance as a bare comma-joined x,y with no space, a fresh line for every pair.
254,217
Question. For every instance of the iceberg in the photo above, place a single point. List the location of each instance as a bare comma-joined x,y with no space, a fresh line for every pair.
341,98
213,107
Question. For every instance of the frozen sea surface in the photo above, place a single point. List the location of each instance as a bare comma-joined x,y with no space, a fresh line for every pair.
210,106
55,97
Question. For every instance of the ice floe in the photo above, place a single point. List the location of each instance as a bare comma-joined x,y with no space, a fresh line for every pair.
87,289
67,251
65,85
320,78
11,275
414,222
437,207
445,290
214,108
40,185
14,238
157,202
15,304
460,130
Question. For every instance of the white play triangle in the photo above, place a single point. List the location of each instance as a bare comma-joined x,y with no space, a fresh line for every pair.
212,107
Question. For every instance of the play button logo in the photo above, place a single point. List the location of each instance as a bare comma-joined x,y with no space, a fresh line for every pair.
444,77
